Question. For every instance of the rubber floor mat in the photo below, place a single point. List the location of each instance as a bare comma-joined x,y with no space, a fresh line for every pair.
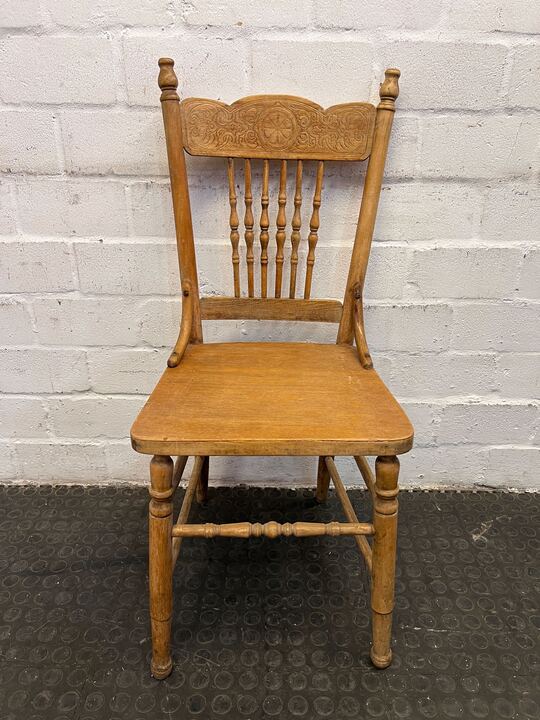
267,628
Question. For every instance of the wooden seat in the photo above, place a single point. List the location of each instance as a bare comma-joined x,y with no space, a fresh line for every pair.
271,399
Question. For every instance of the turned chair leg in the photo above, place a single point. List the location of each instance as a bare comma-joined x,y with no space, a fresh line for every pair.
160,563
384,558
323,481
202,485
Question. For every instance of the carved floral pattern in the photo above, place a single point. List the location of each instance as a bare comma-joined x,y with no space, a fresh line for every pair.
274,126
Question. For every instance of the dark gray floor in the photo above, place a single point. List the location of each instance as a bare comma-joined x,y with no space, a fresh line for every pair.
267,628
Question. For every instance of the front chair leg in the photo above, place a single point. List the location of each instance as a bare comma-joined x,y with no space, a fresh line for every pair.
384,558
160,563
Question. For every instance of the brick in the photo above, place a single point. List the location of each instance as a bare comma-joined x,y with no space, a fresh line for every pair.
216,275
266,470
152,212
529,283
36,267
22,417
361,15
478,147
52,206
129,371
213,68
428,375
389,268
386,277
427,211
244,13
126,465
413,328
515,468
272,61
65,70
444,466
400,161
403,149
119,143
160,322
465,272
7,210
511,212
426,82
524,90
28,141
151,209
132,268
15,323
518,375
86,321
42,370
19,15
8,465
424,418
496,326
488,423
107,13
55,461
494,15
91,417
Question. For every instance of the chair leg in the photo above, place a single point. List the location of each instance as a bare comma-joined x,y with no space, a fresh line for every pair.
384,558
202,486
323,481
160,563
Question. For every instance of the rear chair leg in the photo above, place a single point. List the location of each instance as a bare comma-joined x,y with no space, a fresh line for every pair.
384,558
323,481
202,486
160,563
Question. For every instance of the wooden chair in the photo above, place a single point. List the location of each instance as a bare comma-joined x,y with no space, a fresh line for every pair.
272,398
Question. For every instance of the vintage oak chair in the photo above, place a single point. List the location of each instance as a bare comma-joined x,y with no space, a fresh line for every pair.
272,398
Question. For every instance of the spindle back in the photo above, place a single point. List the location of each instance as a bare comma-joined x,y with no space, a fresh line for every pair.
252,133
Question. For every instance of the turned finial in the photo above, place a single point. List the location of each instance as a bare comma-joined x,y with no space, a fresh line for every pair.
389,89
167,80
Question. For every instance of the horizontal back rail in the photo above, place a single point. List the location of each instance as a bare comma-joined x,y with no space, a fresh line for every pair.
279,127
229,308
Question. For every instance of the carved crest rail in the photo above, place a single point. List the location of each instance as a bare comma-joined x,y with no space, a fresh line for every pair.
277,127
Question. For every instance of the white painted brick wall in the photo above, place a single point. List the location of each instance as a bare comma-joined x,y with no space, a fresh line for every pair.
88,269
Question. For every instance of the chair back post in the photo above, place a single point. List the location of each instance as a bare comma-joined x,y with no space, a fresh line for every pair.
170,105
388,92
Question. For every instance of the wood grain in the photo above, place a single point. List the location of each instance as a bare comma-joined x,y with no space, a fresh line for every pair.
183,515
168,82
223,308
186,324
362,543
271,399
313,236
160,524
281,222
272,529
296,227
249,221
264,237
389,92
384,558
277,127
234,222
